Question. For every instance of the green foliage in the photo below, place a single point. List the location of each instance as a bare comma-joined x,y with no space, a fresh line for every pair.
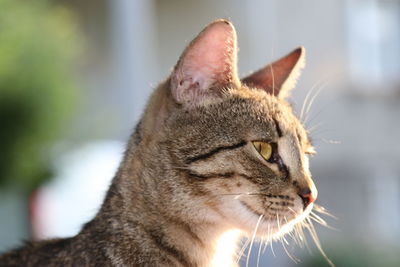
38,45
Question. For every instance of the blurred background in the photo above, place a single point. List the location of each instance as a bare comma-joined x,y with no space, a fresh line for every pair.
75,76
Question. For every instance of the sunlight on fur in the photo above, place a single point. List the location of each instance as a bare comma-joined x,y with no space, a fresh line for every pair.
225,245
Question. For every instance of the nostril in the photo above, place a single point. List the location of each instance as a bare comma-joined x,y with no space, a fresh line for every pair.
307,197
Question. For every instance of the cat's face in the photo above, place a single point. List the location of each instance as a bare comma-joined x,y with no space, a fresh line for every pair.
215,150
234,152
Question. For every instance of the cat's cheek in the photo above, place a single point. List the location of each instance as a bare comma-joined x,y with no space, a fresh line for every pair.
241,217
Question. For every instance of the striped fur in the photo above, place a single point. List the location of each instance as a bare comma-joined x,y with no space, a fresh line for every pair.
190,172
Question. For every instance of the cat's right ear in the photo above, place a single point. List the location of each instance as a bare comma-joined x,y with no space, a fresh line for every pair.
279,77
207,66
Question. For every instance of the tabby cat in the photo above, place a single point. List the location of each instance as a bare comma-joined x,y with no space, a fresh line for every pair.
212,155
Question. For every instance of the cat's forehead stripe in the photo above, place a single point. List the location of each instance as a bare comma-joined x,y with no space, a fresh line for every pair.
214,151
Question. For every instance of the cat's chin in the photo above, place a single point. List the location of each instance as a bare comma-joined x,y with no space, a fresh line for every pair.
290,224
263,226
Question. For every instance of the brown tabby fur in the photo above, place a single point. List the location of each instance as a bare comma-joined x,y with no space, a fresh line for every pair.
187,170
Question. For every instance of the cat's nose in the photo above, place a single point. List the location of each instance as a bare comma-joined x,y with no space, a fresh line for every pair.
308,196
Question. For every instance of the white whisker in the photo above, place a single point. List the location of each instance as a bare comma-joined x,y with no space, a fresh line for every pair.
277,220
318,219
298,235
322,210
307,111
306,99
305,240
314,236
273,79
268,238
314,127
270,243
259,251
242,250
292,257
285,240
252,239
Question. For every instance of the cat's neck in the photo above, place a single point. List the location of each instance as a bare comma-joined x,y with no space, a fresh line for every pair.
130,207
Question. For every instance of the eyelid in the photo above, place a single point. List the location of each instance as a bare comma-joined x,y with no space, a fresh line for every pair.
265,140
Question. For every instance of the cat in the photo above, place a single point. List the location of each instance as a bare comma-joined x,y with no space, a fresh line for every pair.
211,155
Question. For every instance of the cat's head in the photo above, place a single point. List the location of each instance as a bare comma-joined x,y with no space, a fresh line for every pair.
224,150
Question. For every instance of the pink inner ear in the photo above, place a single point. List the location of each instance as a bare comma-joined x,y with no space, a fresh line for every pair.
209,59
208,64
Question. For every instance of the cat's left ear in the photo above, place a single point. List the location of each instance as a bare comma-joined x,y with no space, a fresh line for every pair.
279,77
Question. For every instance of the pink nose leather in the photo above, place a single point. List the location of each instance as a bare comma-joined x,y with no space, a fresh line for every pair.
307,196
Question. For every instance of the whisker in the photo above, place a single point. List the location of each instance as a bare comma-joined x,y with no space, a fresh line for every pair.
306,99
310,119
314,127
299,232
318,219
317,242
332,102
291,210
334,142
291,232
270,239
259,251
252,239
242,250
325,225
297,235
322,210
265,244
292,257
277,220
285,240
307,112
305,226
321,221
272,249
271,67
273,79
293,236
318,138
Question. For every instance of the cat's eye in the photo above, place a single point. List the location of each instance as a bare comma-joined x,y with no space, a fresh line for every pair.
265,149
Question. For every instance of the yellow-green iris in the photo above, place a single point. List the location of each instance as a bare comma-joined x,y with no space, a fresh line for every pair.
265,149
